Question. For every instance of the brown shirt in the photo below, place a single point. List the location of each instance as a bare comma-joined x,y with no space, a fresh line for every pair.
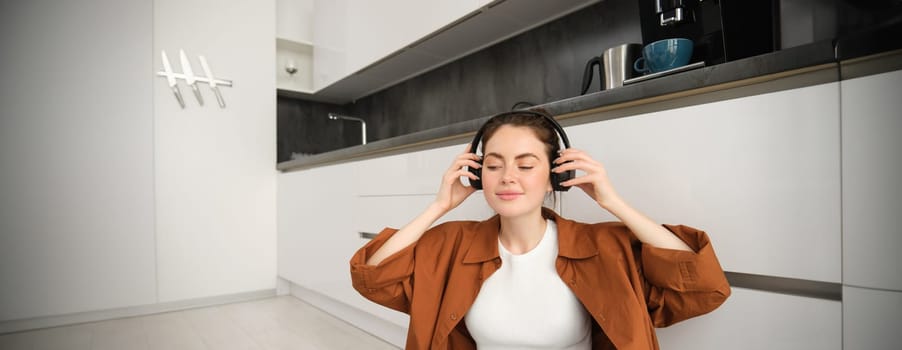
626,286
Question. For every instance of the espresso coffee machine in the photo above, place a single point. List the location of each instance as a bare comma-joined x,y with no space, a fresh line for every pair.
722,30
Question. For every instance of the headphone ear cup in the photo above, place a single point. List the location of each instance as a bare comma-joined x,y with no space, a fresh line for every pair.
558,178
477,184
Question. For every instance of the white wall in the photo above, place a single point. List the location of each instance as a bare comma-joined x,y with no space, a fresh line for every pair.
215,168
112,196
76,157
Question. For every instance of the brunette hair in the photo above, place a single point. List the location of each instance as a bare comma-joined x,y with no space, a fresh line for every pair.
540,126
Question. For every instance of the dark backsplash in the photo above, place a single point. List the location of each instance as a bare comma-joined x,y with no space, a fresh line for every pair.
541,65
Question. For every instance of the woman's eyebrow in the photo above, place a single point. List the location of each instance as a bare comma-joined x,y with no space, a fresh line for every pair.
524,155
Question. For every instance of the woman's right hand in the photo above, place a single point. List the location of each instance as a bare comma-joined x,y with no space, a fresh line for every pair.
452,191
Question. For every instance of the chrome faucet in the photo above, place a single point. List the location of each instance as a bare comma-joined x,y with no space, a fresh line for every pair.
336,116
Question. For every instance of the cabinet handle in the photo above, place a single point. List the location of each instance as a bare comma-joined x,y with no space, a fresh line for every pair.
367,235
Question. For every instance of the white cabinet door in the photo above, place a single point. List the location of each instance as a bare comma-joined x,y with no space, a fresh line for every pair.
752,319
760,174
76,148
378,28
319,225
330,42
294,45
294,20
352,34
409,173
215,179
871,318
316,226
872,181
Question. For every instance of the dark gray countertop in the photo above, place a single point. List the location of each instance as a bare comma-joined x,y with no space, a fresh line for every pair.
713,77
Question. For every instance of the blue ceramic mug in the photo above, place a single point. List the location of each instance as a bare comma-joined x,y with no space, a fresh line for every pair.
664,55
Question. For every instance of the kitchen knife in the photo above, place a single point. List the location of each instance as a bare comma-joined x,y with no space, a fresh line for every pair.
189,76
212,80
170,78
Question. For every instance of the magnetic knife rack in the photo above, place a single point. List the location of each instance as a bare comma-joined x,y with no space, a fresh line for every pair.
192,80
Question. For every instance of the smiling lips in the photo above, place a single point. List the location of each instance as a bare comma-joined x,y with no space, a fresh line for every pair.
508,195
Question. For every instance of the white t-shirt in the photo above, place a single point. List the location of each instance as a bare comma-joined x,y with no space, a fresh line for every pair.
525,304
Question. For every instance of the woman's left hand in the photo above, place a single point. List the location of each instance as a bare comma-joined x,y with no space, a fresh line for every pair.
594,182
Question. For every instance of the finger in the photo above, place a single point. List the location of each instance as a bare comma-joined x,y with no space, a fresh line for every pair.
469,156
579,180
588,167
456,175
467,159
572,154
460,163
467,174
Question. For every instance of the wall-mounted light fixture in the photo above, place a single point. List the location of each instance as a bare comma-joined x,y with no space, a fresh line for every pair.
336,116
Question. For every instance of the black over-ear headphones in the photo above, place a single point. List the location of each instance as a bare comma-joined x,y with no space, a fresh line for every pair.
556,178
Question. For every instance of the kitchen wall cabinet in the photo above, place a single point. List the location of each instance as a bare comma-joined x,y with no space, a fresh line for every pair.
213,167
330,42
294,20
377,29
77,155
362,32
294,45
361,47
760,174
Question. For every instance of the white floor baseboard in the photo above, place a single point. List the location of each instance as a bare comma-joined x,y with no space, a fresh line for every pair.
385,330
131,311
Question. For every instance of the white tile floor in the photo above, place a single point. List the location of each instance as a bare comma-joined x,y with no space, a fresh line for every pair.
275,323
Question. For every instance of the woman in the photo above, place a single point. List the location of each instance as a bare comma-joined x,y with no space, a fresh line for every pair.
528,278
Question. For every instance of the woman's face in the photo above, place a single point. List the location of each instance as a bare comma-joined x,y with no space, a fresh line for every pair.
515,171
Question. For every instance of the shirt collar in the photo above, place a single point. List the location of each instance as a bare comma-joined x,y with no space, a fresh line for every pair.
573,243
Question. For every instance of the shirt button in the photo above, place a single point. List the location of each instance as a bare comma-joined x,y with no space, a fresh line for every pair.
453,316
573,281
371,290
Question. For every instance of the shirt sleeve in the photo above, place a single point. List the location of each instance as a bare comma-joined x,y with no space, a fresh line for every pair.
390,282
683,284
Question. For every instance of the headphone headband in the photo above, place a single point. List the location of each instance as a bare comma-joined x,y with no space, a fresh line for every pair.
556,178
554,124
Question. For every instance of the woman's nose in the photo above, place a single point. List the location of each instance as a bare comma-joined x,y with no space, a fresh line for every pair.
507,176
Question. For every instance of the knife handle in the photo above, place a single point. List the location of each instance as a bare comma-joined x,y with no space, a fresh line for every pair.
200,99
219,97
178,96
